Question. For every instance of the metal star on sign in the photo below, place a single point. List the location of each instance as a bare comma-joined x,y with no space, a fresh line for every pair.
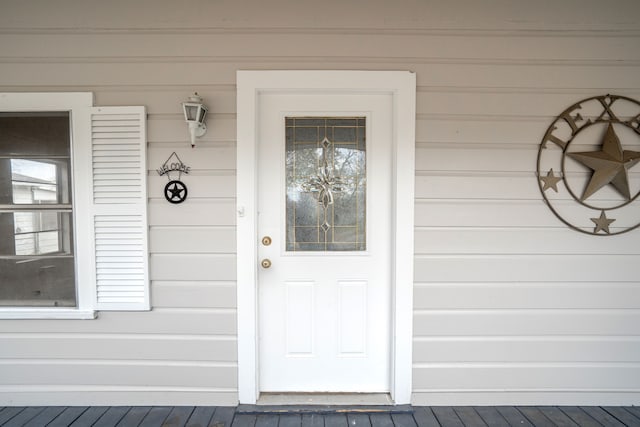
175,192
550,181
610,165
602,223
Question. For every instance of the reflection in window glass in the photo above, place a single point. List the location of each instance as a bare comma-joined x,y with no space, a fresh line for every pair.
33,182
326,183
36,226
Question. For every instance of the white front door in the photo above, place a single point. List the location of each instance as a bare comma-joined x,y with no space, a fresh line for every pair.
338,296
324,226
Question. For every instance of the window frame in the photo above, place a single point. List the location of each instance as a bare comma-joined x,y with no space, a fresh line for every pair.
78,104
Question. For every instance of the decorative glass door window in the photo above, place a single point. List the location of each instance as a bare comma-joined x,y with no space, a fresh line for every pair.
325,183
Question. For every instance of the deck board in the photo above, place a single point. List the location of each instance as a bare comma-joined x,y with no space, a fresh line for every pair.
335,420
178,416
403,420
623,415
580,417
210,416
558,417
267,420
244,420
68,416
447,416
223,417
358,420
491,416
89,416
381,420
602,417
201,416
635,410
7,413
424,417
535,416
290,420
46,416
112,416
156,416
313,420
469,416
24,416
513,416
134,416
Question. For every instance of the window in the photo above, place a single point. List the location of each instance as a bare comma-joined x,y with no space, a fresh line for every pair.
36,225
73,229
326,183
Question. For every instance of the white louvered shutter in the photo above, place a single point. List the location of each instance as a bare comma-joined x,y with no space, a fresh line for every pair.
119,214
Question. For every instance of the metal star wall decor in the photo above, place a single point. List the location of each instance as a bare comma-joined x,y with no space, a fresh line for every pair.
610,165
175,191
550,181
595,144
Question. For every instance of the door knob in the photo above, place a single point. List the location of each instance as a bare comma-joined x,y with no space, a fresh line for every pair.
266,240
266,263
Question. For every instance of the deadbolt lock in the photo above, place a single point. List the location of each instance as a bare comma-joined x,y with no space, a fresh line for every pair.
266,240
266,263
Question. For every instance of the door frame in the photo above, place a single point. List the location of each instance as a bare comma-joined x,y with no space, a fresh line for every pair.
402,86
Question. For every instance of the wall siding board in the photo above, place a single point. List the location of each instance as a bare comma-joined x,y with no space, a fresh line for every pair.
138,347
165,101
101,47
519,241
526,349
186,294
192,212
473,102
222,70
515,322
158,321
201,184
193,267
484,213
147,373
526,295
588,377
171,129
511,307
427,17
523,268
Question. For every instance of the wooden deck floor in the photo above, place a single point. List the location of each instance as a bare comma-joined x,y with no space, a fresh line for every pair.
104,416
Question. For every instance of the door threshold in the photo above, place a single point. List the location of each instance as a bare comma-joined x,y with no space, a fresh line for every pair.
323,403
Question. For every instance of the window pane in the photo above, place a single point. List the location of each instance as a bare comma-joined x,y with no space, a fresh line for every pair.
326,184
35,134
40,181
40,233
37,282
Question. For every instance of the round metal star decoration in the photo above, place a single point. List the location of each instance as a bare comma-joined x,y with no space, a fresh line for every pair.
175,191
587,162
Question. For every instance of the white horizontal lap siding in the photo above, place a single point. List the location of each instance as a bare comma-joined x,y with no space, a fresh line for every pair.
510,305
118,143
502,304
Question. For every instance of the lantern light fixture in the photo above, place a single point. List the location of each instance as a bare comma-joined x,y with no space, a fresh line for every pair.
194,114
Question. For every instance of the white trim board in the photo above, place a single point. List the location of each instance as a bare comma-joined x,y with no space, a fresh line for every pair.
402,86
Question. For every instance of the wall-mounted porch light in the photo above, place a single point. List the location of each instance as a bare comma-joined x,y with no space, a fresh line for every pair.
194,113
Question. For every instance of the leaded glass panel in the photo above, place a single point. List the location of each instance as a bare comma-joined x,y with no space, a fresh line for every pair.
326,183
